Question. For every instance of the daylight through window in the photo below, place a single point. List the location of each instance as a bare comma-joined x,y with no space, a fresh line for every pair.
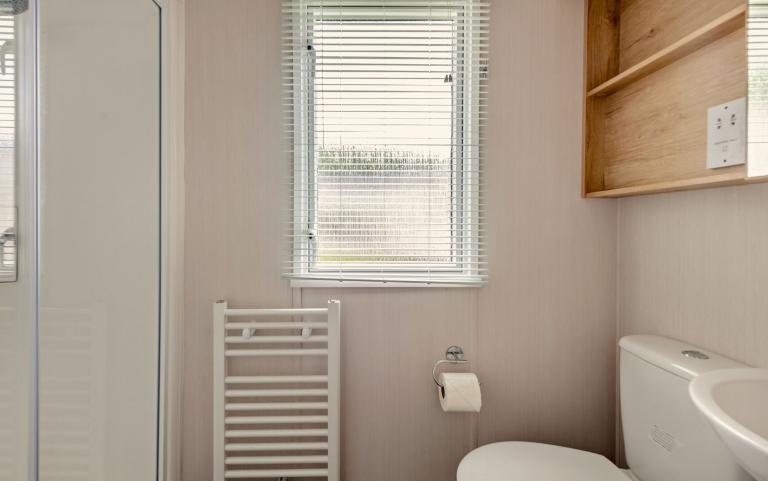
385,116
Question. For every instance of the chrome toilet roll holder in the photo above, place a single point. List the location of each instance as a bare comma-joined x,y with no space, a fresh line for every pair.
453,355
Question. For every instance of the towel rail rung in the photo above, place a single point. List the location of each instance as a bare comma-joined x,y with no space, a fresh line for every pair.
274,379
303,311
275,433
274,352
308,459
275,392
275,473
276,325
241,447
275,339
275,419
279,406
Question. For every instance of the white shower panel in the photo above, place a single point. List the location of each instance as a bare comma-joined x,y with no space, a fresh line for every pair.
99,239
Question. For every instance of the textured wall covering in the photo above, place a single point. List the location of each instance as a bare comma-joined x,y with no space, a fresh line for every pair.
541,334
547,318
694,266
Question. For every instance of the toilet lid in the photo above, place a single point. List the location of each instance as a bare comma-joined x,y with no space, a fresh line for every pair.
517,461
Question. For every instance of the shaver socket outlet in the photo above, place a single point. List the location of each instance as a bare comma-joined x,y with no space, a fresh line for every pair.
727,134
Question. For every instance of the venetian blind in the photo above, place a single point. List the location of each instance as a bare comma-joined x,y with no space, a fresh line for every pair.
8,96
385,111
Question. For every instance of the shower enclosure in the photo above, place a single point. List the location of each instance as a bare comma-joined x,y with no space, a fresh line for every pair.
81,239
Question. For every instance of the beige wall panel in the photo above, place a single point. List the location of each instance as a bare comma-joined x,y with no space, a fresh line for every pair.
533,325
694,266
235,176
392,424
547,320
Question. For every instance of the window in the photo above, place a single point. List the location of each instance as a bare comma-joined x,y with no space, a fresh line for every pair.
385,113
8,122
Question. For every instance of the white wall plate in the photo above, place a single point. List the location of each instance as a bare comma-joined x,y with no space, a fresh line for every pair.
727,134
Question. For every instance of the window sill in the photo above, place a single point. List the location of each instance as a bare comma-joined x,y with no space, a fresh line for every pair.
336,284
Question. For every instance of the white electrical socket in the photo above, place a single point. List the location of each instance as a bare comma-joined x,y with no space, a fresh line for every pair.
727,134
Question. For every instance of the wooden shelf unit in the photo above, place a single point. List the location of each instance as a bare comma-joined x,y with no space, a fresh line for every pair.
653,68
720,27
672,186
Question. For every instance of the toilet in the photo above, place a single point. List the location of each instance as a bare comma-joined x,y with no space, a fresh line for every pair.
666,439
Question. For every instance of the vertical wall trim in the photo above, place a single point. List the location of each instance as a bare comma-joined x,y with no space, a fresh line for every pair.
219,375
160,416
619,445
474,333
172,122
32,189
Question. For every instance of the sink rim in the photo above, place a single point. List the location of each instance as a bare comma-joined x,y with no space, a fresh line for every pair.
701,391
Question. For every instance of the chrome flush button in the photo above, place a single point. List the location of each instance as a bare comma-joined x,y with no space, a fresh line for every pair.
695,354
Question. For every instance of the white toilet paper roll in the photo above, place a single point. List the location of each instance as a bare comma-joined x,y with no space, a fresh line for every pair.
461,392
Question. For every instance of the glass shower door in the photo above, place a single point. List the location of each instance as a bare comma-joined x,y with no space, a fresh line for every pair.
17,271
99,247
80,239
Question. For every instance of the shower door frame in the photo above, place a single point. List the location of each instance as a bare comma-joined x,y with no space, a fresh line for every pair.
172,238
27,138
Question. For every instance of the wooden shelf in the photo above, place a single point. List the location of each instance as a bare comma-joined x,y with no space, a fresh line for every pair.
675,185
650,82
701,37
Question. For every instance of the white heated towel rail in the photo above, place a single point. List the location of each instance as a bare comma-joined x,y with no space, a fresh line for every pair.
275,425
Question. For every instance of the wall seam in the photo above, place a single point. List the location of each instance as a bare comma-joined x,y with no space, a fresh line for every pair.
618,451
474,426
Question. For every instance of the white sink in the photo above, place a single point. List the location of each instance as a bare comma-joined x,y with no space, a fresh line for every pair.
735,402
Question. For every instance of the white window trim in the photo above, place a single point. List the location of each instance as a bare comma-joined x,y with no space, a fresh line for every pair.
340,283
464,276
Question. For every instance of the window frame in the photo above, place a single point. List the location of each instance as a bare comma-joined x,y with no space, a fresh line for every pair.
465,199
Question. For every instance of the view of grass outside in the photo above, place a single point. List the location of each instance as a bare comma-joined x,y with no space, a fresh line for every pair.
384,119
383,207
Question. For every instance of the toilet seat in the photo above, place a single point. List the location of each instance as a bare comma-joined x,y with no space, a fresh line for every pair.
520,461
